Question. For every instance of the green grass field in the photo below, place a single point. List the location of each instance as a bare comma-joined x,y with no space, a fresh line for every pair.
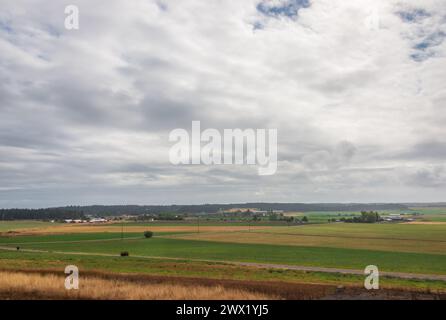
410,248
187,268
431,214
67,237
364,230
6,226
426,214
262,253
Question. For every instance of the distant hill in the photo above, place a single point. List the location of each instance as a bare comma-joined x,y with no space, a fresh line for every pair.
426,205
70,212
214,208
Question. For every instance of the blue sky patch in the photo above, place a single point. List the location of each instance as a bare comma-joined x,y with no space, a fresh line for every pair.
422,48
421,56
426,38
432,40
5,26
413,15
287,8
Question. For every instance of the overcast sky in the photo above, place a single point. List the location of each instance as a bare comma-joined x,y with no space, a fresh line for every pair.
356,89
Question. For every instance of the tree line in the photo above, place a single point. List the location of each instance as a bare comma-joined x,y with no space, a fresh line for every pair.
40,214
365,217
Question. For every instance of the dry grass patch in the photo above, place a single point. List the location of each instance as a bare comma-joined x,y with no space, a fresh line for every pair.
18,285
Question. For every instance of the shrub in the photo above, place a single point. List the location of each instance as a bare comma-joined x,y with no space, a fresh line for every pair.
148,234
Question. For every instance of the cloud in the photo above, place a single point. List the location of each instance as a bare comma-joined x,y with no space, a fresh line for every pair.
425,29
355,89
433,176
332,159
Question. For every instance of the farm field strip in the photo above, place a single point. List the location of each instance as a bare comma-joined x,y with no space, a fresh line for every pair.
402,275
64,229
71,241
399,232
403,232
28,239
56,238
348,236
23,225
296,240
272,236
409,231
431,221
400,249
344,258
172,270
46,286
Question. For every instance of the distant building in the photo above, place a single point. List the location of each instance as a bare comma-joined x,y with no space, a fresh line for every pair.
266,212
393,217
260,212
75,221
98,220
243,210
